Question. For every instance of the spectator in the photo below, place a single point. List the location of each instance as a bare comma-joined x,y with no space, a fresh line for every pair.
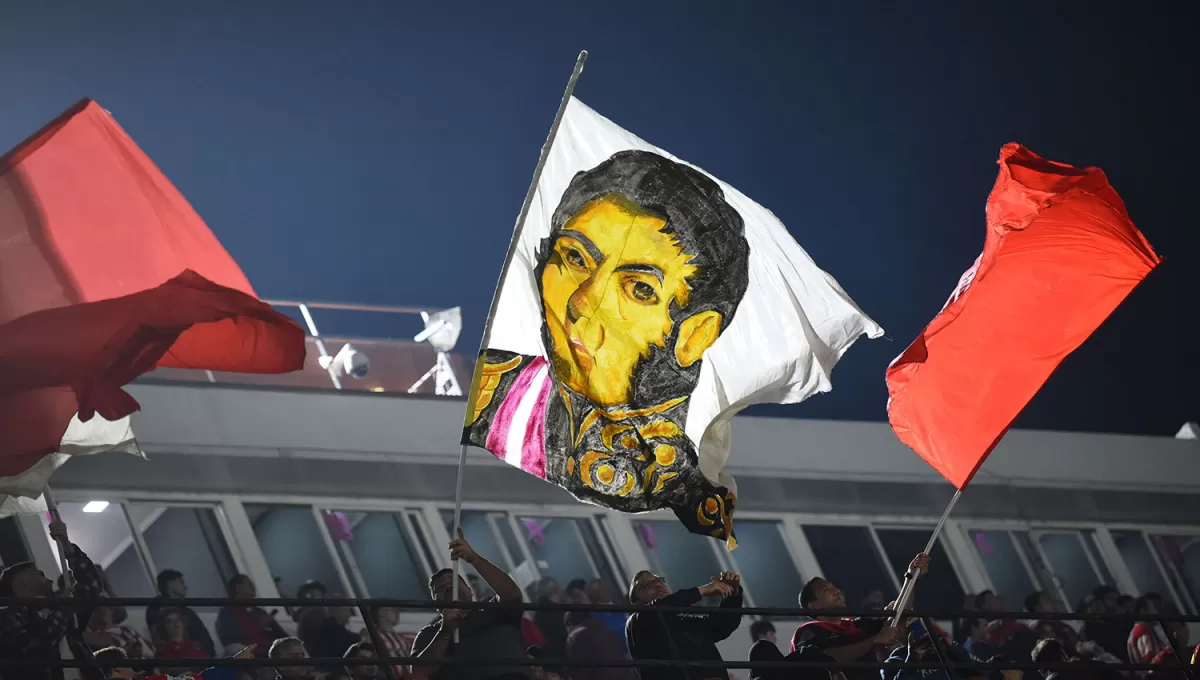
999,630
531,635
845,639
542,671
327,636
551,623
104,630
1144,643
292,648
693,637
115,655
363,650
978,643
173,642
243,624
600,591
589,641
30,633
762,630
172,586
921,649
1177,635
1039,602
1111,637
394,644
577,591
482,633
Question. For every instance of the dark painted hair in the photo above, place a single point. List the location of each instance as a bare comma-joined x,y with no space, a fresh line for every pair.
702,222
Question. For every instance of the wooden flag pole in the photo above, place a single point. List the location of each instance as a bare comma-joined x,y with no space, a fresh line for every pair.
910,579
508,258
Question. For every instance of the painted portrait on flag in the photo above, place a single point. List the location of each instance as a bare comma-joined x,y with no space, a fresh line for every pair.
646,303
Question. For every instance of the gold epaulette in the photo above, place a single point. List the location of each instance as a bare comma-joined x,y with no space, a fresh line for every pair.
489,380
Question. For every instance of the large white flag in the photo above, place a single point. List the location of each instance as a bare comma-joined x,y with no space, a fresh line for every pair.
648,302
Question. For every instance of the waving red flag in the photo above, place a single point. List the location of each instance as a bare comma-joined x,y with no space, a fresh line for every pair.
1060,255
109,272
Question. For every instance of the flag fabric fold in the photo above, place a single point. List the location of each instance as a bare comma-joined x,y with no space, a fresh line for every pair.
1060,254
109,272
647,302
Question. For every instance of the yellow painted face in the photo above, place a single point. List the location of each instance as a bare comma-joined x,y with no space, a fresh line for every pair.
607,288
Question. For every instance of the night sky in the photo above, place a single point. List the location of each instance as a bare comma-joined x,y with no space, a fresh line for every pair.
378,151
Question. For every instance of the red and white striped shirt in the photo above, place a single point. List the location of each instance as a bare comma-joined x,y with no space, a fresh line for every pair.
394,644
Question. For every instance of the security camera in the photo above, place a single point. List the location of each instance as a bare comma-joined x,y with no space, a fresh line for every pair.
348,361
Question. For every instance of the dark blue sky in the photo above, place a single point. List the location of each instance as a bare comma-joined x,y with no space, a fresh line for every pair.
378,151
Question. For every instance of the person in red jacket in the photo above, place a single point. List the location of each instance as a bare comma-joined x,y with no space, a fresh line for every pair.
173,641
1144,643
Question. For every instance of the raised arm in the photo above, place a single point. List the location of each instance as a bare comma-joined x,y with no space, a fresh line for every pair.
505,588
722,625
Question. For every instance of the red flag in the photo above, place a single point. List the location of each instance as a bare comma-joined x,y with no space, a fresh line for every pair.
109,272
1060,255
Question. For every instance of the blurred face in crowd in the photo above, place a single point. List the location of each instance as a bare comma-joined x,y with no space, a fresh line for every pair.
174,628
991,602
598,591
31,582
294,650
177,588
387,618
244,589
340,614
649,587
366,672
578,596
443,589
1044,604
548,589
828,596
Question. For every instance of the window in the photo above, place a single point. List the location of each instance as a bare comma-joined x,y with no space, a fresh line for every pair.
188,540
685,559
1068,559
562,549
480,531
767,567
293,546
1135,552
107,540
1004,565
1180,556
849,560
942,589
385,555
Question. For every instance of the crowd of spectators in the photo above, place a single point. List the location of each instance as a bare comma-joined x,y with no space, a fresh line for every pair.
505,642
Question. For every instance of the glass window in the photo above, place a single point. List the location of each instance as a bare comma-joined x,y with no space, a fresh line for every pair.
293,546
1135,552
766,565
1067,559
1089,541
849,560
188,540
106,539
999,555
480,532
685,559
1181,558
942,589
386,556
561,548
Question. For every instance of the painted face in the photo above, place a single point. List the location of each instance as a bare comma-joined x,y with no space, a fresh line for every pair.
607,288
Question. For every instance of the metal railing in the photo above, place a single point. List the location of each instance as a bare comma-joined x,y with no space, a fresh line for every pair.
365,607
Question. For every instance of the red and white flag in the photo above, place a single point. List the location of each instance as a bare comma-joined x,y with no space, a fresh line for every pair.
1060,254
108,272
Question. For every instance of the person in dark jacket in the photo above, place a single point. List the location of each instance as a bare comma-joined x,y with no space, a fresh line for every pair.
691,637
589,639
172,586
29,633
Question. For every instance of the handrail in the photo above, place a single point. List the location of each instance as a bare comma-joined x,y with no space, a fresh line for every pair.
351,307
431,605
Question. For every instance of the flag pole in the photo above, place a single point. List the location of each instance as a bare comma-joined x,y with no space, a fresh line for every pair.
508,258
52,507
910,579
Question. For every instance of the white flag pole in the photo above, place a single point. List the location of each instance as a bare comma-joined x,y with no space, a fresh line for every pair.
910,579
52,507
508,258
